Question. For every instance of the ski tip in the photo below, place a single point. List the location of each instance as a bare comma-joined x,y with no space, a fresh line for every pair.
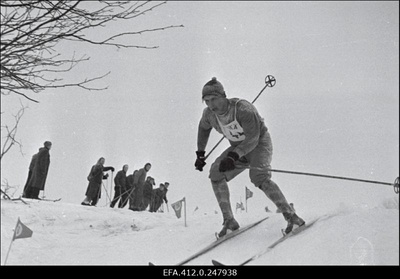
151,264
217,263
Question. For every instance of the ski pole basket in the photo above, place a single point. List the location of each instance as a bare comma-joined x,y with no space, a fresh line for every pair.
396,185
270,81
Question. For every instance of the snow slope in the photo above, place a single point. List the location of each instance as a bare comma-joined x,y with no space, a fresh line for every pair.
71,234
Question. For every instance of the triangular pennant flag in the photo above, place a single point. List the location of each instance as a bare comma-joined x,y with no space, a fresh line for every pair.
177,206
21,231
249,193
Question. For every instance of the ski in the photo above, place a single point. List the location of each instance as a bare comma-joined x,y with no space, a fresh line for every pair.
218,242
55,200
216,263
24,200
221,240
294,232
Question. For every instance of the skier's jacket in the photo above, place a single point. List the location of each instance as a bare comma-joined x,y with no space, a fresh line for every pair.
241,124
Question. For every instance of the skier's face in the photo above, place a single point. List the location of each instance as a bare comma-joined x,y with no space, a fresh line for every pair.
217,104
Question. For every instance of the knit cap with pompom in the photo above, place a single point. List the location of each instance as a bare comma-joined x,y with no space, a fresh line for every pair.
213,87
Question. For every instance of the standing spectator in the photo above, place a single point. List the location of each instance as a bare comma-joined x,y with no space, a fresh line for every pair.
31,166
39,172
147,191
138,191
131,182
95,178
120,188
159,195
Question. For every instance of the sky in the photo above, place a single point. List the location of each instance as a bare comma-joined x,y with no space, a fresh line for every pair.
334,109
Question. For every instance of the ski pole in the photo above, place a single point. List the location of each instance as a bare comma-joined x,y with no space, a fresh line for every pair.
269,82
119,196
112,175
111,186
395,184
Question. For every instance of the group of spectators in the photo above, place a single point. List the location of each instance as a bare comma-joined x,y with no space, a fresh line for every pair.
136,188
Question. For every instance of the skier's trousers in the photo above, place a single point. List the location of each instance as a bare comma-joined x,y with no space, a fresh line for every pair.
259,163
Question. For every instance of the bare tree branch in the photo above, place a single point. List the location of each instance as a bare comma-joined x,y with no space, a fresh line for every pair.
31,30
10,133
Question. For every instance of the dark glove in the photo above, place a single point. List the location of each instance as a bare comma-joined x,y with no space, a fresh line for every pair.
112,169
228,163
200,161
105,176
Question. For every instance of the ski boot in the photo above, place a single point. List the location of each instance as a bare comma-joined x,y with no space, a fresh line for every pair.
293,220
229,224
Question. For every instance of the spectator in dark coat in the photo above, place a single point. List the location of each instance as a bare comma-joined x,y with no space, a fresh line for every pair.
39,172
132,181
138,191
159,195
31,167
147,192
120,188
95,178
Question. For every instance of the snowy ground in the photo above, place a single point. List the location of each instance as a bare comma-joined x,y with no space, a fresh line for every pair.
71,234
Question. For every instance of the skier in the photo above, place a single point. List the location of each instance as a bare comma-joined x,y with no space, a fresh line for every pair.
40,170
251,147
120,188
291,205
138,191
95,178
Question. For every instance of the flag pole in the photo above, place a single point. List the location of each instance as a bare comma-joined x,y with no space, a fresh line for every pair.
184,210
245,194
8,252
12,240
